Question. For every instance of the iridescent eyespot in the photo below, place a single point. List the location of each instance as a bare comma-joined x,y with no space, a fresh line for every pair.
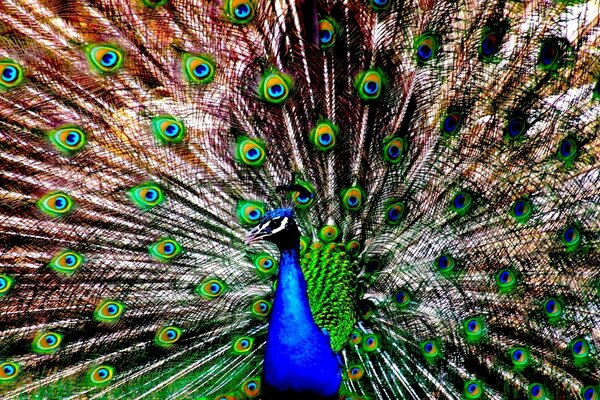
369,84
328,29
567,151
426,47
240,11
250,151
515,129
393,148
167,336
199,68
474,329
165,249
537,391
553,308
355,372
329,233
305,197
370,342
491,39
402,298
430,349
323,135
352,198
590,393
68,139
521,210
109,311
6,283
223,397
56,204
355,337
67,262
275,87
353,248
365,310
261,308
250,212
211,288
242,345
304,244
251,387
46,342
146,195
571,238
461,203
154,3
167,129
580,349
105,58
445,263
379,5
519,357
265,264
9,371
395,212
101,374
553,54
506,280
473,389
11,74
451,122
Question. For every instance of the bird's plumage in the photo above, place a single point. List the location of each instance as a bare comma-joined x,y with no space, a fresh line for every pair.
442,158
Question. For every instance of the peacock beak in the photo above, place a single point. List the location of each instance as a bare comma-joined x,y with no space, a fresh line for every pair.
255,235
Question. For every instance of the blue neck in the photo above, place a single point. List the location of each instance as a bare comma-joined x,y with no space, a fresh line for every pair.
298,355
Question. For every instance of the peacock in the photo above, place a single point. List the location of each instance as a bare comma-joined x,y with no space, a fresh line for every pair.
300,199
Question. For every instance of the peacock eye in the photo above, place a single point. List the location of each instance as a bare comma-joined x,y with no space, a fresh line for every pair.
506,280
553,308
370,342
352,198
369,84
521,210
165,249
305,197
265,264
6,282
275,87
242,345
394,212
474,329
567,151
154,3
393,148
571,238
250,212
109,311
580,348
68,140
199,68
590,393
261,307
9,371
537,391
11,74
101,374
327,32
211,288
445,263
355,372
56,204
473,389
519,357
553,54
67,262
515,129
167,336
402,298
46,342
251,152
324,135
240,11
426,47
461,203
452,122
252,387
379,5
167,129
430,349
355,337
146,195
105,58
491,39
329,233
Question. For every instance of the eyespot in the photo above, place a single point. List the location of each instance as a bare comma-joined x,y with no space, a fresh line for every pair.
395,212
355,372
67,262
491,39
506,280
327,32
445,263
211,288
275,87
473,389
252,387
305,197
393,148
521,210
167,336
250,212
553,54
515,129
519,357
365,310
451,122
56,204
109,311
430,349
167,129
369,84
6,283
567,151
261,307
580,349
590,393
47,342
370,342
11,74
225,397
105,58
240,11
461,203
571,237
250,151
352,198
379,5
329,233
164,250
199,69
474,329
101,374
265,264
355,337
242,345
402,298
323,135
9,371
353,248
426,48
553,308
537,391
68,139
146,195
154,3
304,243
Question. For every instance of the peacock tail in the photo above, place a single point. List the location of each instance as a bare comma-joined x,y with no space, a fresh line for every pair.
442,159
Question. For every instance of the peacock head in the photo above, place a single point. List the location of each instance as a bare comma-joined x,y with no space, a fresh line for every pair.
277,226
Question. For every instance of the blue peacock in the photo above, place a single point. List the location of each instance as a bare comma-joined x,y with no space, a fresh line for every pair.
299,199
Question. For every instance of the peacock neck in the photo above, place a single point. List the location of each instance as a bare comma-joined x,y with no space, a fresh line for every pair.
298,354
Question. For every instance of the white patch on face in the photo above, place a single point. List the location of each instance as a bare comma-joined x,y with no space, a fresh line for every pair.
281,226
